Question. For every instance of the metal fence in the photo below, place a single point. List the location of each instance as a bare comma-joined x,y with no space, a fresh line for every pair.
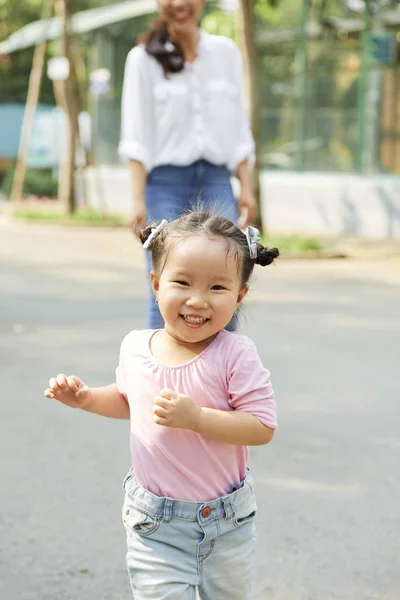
333,122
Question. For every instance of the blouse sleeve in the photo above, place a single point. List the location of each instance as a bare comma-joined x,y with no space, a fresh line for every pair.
137,122
245,147
249,384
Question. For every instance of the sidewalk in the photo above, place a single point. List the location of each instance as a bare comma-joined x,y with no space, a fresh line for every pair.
355,247
337,247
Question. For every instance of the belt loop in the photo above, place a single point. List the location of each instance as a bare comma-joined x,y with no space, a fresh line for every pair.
168,509
228,508
127,477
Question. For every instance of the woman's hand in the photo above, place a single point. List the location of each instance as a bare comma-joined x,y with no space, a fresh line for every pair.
139,217
176,410
247,208
139,181
71,391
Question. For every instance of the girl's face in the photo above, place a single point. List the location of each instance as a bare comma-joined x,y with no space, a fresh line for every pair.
199,288
181,16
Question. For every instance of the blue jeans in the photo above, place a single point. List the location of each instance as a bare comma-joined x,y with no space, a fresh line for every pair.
176,548
172,191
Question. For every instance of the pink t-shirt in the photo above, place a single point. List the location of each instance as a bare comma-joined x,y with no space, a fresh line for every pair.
181,464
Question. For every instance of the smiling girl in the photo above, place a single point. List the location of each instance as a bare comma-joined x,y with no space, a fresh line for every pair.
197,396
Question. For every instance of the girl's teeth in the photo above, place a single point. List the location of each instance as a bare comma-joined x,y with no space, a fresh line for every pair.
194,319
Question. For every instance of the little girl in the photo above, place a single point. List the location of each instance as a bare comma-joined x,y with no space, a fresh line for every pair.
197,396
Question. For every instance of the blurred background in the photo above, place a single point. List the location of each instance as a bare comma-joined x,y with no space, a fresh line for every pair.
323,91
323,94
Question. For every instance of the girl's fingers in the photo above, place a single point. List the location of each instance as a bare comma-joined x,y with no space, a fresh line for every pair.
160,411
159,401
49,394
61,381
167,393
53,384
73,383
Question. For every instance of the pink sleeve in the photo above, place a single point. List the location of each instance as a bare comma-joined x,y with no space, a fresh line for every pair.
120,380
119,372
249,384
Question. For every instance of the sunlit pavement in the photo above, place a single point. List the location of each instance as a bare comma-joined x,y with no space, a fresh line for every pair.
328,485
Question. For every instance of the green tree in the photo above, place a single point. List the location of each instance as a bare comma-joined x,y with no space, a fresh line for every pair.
15,68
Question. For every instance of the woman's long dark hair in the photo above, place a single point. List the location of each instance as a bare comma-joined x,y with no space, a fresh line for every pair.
157,43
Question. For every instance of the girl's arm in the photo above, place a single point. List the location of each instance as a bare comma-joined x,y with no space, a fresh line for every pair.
236,427
73,392
233,427
108,402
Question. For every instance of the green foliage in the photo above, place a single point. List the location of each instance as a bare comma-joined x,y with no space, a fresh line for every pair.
37,183
220,23
293,244
42,215
15,69
51,213
267,11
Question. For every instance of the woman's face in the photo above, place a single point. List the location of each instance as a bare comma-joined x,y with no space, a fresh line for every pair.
181,16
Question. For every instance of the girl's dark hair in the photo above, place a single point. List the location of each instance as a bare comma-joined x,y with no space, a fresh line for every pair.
157,43
210,224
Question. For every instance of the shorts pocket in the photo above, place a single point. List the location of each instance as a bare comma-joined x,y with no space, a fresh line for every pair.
137,521
245,513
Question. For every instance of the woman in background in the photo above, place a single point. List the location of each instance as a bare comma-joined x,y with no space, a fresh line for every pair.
184,125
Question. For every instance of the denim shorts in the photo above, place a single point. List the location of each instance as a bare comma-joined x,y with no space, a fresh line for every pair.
172,191
179,550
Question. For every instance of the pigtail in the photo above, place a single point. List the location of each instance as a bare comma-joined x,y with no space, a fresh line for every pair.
151,234
265,256
158,44
145,233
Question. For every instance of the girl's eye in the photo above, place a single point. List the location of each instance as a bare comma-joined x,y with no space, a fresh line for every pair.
218,287
181,282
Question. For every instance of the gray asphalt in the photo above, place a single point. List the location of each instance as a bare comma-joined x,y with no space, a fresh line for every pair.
328,485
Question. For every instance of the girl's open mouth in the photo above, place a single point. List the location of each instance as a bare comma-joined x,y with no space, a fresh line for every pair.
195,322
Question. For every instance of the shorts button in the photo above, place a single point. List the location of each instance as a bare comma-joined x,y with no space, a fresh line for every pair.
127,511
206,512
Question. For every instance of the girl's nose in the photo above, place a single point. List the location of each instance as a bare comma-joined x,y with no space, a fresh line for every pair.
197,301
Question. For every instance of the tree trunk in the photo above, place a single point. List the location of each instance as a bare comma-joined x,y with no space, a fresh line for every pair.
68,100
247,40
32,99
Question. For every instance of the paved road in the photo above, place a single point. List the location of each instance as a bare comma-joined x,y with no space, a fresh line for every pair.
328,486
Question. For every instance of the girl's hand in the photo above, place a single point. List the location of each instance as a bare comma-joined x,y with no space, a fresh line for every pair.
71,391
176,410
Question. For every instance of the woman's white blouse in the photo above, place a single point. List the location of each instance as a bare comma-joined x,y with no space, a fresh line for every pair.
198,113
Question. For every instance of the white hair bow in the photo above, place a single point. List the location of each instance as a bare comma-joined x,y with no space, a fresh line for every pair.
154,233
253,237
